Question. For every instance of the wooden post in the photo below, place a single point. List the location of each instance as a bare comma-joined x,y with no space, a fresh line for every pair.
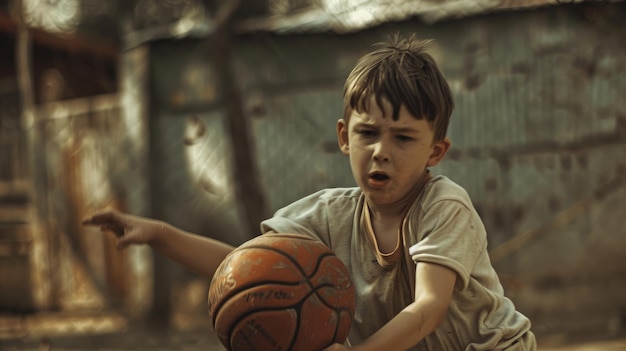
249,191
133,76
43,291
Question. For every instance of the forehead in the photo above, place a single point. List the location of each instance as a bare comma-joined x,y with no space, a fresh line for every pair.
374,116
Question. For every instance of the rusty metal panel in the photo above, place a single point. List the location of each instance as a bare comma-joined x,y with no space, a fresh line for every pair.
67,130
86,167
545,90
91,153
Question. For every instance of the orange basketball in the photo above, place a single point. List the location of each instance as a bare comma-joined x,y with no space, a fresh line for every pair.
281,292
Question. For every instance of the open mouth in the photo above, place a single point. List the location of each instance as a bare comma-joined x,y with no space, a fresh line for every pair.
378,179
379,176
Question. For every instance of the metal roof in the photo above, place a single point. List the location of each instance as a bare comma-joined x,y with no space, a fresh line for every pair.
344,16
335,16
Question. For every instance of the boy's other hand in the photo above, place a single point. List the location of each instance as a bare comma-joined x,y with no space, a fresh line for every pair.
129,229
336,347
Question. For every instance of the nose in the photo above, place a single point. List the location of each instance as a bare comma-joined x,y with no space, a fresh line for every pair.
381,153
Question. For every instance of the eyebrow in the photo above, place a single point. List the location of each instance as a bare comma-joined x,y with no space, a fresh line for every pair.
404,130
393,129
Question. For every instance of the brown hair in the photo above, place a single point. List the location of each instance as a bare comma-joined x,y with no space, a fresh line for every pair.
401,72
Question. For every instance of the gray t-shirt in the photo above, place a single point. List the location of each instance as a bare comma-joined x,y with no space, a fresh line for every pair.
441,227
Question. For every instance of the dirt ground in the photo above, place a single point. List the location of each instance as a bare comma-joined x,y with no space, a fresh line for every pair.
606,345
78,333
163,340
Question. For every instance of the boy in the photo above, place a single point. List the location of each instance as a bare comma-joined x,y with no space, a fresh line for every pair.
415,246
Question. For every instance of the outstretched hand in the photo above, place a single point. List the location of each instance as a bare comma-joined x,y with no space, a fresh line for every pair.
129,229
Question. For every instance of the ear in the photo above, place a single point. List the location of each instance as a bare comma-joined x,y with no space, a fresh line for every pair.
342,137
439,152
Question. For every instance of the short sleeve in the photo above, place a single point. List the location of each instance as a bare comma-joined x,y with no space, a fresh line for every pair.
306,216
317,215
453,236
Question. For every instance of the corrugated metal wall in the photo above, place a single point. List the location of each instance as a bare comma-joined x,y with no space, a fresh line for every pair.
539,140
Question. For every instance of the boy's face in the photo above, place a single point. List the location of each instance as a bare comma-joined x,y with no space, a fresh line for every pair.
389,158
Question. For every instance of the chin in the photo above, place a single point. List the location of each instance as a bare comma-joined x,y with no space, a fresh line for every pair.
377,198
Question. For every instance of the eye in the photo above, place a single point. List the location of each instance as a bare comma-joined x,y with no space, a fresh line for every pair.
368,133
403,137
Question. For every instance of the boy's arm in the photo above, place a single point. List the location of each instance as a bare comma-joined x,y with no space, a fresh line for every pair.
434,285
199,254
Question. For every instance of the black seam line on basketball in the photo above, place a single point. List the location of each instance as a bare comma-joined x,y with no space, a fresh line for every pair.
298,315
295,263
243,316
278,283
321,258
298,308
286,255
337,311
241,288
282,253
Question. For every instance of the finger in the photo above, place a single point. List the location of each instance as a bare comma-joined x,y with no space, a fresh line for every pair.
112,227
123,242
101,217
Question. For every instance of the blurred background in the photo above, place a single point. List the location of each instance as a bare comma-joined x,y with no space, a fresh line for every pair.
212,114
